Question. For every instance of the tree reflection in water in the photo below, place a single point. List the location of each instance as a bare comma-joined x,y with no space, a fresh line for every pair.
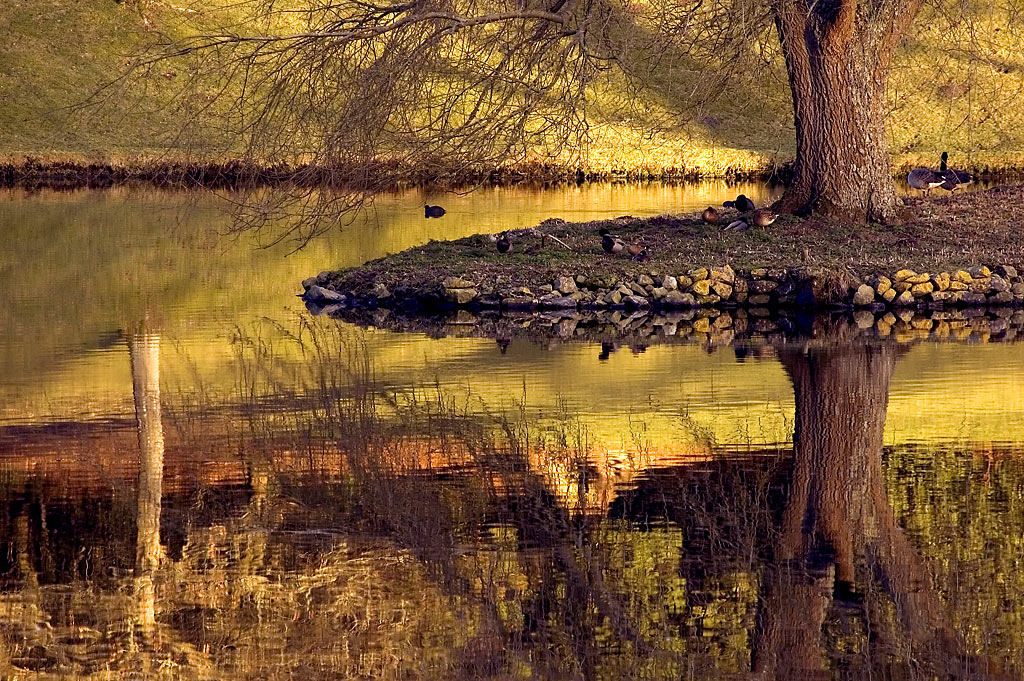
366,533
840,551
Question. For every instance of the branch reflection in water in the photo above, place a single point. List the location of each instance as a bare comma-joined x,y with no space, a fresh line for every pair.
341,529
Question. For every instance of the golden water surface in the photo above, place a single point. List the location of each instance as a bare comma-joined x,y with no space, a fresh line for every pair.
200,480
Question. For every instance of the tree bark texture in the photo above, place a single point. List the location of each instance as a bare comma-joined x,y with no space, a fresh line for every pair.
838,54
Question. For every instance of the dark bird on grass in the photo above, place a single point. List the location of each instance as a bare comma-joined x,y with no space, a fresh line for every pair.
924,179
764,217
611,243
953,179
537,248
710,215
503,243
742,204
432,211
736,226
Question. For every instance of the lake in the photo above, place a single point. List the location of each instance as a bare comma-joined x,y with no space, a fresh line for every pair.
202,480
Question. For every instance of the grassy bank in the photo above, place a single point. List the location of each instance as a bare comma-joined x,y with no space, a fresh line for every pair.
60,54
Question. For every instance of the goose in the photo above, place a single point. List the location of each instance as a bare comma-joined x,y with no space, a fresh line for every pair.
764,217
611,243
952,179
924,179
432,211
710,216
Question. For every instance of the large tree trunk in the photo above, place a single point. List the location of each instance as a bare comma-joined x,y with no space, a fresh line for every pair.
837,57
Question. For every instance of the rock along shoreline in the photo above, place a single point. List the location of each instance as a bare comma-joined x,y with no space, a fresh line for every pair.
719,287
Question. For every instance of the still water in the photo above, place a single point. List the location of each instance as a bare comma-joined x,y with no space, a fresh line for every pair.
202,481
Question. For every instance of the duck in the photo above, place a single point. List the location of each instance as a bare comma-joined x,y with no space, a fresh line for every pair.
764,216
924,179
503,243
742,204
611,243
636,247
710,216
537,247
638,252
432,211
951,178
736,226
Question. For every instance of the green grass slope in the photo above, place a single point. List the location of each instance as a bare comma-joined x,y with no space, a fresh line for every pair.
56,54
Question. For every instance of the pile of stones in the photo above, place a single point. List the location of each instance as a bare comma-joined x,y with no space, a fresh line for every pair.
720,287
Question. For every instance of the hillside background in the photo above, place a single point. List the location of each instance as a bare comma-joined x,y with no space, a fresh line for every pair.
57,54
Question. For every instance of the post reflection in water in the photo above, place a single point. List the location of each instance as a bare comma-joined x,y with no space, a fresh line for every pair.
145,361
329,526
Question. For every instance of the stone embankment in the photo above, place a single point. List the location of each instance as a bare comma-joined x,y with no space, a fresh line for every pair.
717,287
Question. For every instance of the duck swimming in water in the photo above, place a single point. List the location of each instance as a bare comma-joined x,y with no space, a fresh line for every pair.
432,211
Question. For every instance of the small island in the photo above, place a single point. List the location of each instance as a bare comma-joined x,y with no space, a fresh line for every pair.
954,251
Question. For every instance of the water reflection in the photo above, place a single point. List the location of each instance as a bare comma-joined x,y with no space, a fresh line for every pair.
839,552
78,268
205,496
345,529
145,363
